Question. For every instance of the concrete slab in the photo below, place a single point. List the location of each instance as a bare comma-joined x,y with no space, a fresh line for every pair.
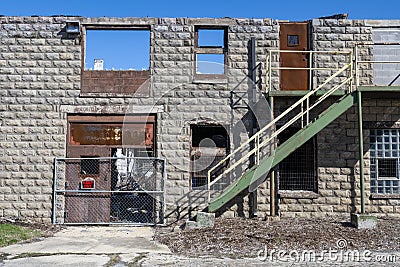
85,246
93,240
59,260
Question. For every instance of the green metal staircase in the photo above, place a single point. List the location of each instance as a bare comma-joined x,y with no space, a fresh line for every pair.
264,163
259,172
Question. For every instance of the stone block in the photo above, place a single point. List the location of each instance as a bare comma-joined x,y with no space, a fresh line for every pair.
203,220
363,221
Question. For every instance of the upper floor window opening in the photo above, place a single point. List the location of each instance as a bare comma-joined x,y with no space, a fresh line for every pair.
117,49
210,51
211,38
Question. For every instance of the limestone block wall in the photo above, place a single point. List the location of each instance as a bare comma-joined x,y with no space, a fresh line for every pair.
341,35
40,80
39,71
191,101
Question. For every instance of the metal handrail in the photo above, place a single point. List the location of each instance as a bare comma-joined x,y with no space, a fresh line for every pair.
270,68
256,138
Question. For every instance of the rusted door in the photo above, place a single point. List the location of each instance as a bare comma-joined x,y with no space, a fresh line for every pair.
294,36
88,207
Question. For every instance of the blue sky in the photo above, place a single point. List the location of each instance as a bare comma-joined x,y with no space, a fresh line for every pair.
294,10
288,9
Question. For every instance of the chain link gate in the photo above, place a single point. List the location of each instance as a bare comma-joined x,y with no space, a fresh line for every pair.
109,190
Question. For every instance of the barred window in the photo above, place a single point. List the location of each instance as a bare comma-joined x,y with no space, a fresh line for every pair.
385,156
298,170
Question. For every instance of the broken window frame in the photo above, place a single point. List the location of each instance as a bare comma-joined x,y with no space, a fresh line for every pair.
89,165
106,119
221,152
211,50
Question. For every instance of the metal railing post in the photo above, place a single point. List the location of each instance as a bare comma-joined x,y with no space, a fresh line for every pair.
270,71
55,191
258,150
310,74
209,185
356,66
302,115
163,189
267,74
308,111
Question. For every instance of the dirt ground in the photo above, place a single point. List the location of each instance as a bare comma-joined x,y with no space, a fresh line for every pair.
239,237
244,238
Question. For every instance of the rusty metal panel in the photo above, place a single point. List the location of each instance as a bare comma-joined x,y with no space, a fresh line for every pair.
132,131
294,36
133,134
82,208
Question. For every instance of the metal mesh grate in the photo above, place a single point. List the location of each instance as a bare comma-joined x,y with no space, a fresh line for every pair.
384,161
297,171
109,190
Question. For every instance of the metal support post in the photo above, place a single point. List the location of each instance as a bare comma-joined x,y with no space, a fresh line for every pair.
361,150
252,102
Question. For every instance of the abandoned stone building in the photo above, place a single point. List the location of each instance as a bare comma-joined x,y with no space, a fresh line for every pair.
238,117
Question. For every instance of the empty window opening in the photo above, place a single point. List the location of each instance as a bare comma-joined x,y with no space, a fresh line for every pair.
210,50
298,170
384,161
116,62
209,136
211,38
118,49
210,64
209,146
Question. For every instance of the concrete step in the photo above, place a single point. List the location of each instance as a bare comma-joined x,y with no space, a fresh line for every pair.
202,220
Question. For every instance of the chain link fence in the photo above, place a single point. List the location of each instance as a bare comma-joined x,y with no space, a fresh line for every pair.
109,190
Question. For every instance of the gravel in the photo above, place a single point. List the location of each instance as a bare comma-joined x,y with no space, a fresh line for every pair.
239,237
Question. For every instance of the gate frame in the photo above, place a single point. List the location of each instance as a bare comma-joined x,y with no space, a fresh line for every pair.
55,191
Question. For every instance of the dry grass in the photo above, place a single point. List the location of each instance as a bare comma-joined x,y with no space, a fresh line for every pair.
11,234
